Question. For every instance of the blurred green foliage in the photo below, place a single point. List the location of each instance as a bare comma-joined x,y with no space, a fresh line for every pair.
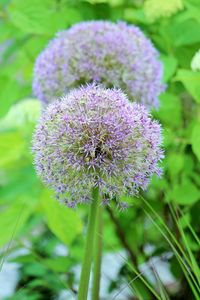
31,220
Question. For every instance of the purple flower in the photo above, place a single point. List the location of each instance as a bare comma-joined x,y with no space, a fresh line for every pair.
118,55
96,137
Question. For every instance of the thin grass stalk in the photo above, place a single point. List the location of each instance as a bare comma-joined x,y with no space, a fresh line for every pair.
181,261
194,264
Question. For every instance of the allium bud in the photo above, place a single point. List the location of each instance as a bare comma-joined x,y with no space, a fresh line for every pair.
112,54
96,137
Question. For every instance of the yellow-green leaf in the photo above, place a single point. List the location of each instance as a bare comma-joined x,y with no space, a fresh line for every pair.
64,222
191,81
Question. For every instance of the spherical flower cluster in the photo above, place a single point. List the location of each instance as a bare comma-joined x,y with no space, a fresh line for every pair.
96,137
115,55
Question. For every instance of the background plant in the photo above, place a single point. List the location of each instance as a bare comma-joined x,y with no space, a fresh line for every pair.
168,220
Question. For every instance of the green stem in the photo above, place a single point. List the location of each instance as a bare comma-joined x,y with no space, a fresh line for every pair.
87,260
97,254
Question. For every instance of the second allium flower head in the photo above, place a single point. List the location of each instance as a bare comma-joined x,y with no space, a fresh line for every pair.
112,54
96,137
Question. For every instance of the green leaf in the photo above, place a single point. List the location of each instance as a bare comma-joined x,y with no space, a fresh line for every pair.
191,81
170,64
62,221
175,164
23,259
30,16
12,147
24,294
13,218
7,31
59,263
184,220
188,164
9,93
185,33
195,140
35,269
135,15
70,16
18,180
184,56
42,17
186,193
170,111
193,10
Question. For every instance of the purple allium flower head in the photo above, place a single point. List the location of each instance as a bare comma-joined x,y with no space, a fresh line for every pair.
112,54
96,137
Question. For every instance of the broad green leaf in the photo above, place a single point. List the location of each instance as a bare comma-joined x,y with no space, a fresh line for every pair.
9,93
135,15
24,294
170,64
36,269
184,220
12,146
176,34
42,17
18,180
7,31
62,221
69,16
191,81
23,259
175,164
196,178
58,264
111,2
193,10
3,2
195,140
170,111
13,218
185,193
168,137
164,37
30,16
185,33
178,162
188,164
184,56
34,46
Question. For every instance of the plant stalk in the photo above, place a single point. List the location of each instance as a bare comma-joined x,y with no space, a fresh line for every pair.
98,244
87,260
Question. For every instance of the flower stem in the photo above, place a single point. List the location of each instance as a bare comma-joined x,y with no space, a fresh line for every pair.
97,254
87,260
